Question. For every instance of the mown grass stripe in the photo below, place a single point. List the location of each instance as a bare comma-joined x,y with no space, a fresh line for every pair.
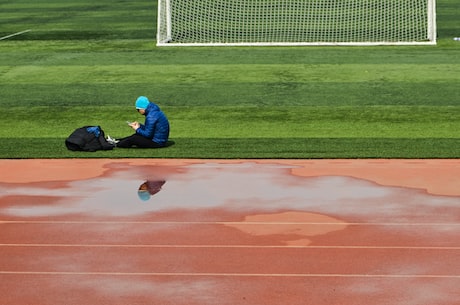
370,122
239,73
250,148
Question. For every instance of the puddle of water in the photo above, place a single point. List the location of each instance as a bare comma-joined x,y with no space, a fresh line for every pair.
247,187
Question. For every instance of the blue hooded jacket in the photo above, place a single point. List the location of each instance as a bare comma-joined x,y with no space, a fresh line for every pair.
156,126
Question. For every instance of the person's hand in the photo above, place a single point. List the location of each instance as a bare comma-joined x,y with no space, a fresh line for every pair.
135,125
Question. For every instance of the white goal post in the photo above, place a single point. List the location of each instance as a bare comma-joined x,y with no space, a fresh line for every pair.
295,22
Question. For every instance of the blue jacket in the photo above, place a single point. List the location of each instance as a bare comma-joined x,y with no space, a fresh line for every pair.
156,126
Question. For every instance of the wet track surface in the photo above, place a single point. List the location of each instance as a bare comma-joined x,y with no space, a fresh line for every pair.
141,231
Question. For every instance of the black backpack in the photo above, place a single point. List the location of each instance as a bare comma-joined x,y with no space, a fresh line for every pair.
88,138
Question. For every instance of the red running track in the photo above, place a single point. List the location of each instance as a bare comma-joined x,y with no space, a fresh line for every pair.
229,232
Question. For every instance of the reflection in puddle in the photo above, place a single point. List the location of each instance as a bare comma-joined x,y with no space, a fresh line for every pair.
149,188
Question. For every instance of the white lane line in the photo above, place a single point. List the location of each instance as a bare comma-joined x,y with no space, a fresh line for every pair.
231,223
236,246
14,34
305,275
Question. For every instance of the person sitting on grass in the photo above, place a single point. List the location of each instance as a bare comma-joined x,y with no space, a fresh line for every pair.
154,133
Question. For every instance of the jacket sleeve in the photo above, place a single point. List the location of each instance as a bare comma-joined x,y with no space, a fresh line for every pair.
147,129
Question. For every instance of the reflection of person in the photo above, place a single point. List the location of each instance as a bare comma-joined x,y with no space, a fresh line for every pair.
154,133
149,188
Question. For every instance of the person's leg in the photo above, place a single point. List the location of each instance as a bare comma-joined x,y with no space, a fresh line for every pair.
138,141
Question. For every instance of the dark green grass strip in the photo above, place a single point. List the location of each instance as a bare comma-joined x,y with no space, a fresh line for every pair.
278,94
270,148
243,122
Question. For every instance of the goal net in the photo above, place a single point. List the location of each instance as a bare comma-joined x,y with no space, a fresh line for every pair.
295,22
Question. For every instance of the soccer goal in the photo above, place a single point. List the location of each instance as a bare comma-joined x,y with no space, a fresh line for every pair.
295,22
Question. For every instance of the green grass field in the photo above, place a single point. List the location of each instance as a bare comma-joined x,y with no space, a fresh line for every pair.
85,63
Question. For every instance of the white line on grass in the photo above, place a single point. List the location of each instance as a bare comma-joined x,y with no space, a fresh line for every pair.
15,34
